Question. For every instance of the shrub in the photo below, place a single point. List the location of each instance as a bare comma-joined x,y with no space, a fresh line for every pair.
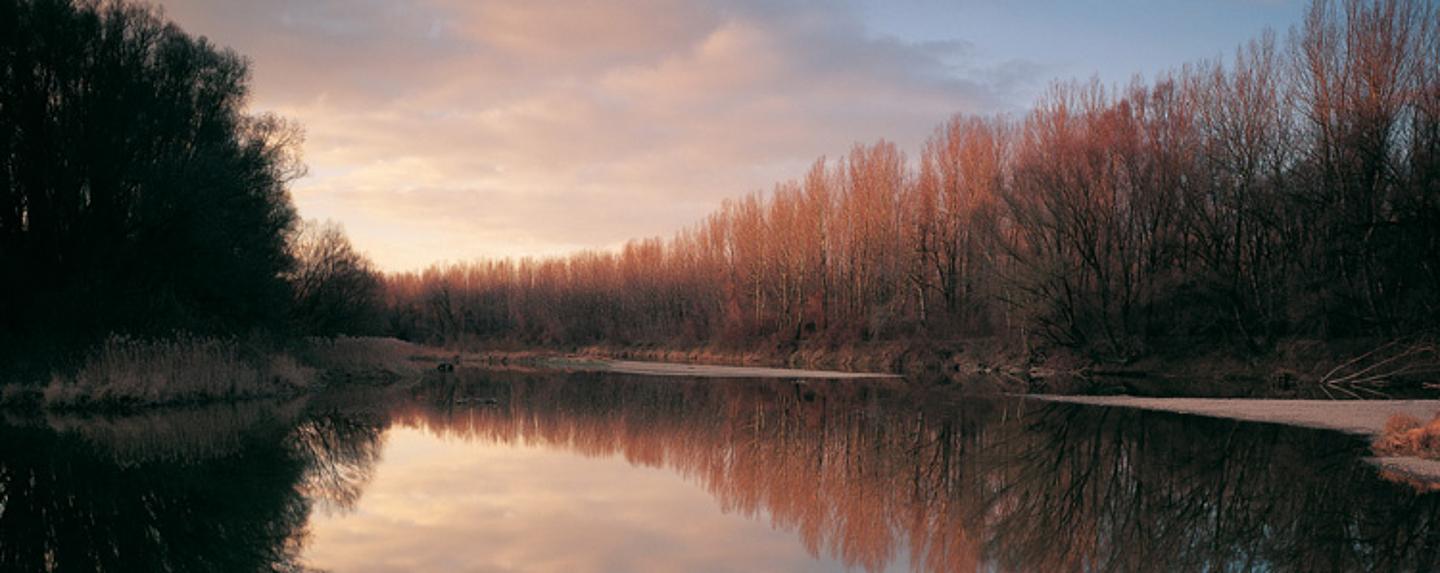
1406,436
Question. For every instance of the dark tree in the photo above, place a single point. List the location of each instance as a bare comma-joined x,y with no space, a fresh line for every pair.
136,194
337,290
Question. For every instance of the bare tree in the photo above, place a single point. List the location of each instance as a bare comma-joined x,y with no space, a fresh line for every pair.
336,289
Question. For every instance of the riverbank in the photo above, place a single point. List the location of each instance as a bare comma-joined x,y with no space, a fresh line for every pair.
1359,417
1362,368
132,374
979,362
1367,418
129,374
701,370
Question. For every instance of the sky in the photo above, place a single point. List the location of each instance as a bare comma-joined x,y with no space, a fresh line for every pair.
452,130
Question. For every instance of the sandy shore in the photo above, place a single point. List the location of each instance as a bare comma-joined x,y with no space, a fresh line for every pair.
1366,418
1423,474
1354,417
702,370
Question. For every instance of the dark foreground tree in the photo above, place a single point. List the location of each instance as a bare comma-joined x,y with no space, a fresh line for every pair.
136,195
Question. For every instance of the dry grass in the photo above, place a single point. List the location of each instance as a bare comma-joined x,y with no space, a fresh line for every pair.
128,372
1406,436
371,350
366,359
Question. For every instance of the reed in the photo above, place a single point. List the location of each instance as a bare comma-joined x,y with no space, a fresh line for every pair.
131,372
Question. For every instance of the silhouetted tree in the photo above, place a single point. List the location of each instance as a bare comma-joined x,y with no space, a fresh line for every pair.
136,194
336,289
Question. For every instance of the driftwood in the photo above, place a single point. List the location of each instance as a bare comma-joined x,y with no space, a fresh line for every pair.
1370,373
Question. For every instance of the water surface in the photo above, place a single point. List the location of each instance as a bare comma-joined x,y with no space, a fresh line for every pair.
491,471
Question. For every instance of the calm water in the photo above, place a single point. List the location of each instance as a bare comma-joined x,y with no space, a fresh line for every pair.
607,473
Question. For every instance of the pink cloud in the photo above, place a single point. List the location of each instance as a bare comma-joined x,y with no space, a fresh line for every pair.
517,510
449,130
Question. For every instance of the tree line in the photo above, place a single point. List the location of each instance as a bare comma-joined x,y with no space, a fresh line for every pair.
1292,192
1288,193
138,196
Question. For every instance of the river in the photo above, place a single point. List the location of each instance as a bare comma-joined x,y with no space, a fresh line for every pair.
507,471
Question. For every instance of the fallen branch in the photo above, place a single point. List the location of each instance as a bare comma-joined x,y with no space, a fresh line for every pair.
1369,373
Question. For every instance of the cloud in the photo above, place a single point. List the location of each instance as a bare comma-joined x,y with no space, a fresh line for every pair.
477,505
450,130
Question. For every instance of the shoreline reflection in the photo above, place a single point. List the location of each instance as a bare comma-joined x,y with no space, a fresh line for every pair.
873,476
874,473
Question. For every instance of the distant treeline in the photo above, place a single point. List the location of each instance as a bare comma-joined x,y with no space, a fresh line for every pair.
138,196
1294,192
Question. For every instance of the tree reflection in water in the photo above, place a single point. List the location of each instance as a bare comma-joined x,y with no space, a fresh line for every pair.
342,452
74,501
870,473
224,488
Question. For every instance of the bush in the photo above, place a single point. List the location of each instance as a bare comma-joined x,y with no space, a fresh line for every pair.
1406,436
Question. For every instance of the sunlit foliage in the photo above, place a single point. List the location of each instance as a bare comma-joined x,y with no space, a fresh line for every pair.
1291,193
